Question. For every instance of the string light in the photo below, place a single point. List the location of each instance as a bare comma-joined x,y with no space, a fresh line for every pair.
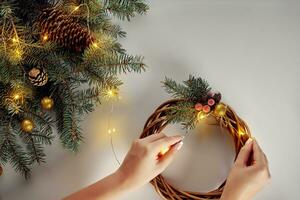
17,97
18,53
110,131
112,92
76,8
45,37
241,132
95,45
220,109
164,150
15,39
201,115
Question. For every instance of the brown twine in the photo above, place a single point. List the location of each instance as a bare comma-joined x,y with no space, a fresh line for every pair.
237,128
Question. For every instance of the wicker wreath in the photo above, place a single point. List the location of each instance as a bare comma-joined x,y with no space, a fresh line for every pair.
225,116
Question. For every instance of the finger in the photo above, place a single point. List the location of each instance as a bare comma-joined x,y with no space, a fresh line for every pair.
167,158
166,142
153,137
245,153
258,154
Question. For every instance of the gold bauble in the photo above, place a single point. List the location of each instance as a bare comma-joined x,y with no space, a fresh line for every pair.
27,125
47,103
220,109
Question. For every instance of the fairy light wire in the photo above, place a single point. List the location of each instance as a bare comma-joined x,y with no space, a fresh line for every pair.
112,131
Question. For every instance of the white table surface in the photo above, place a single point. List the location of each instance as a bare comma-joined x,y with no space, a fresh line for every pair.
248,50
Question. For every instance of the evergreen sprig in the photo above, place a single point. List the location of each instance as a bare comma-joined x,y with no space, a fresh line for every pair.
192,91
125,9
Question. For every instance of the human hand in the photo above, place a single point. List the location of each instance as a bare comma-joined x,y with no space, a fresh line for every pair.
249,174
142,162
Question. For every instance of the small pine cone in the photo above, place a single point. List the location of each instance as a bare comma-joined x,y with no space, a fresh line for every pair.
57,26
38,76
217,97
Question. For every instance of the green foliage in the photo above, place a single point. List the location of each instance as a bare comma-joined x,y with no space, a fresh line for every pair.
184,113
126,9
76,81
192,91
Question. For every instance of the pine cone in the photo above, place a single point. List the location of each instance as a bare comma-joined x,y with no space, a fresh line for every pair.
38,76
57,26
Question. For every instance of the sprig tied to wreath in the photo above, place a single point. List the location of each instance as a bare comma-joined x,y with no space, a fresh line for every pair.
198,101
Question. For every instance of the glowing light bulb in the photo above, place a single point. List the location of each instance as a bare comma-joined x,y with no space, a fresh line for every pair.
95,45
17,97
110,93
45,37
76,8
241,132
220,109
164,150
15,39
201,115
111,130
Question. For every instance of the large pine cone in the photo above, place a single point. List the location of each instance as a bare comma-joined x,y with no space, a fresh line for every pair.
55,25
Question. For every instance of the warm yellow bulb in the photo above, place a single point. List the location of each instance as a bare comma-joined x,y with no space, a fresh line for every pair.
220,109
18,53
95,45
76,8
241,132
164,150
17,97
201,115
110,93
45,37
15,39
112,130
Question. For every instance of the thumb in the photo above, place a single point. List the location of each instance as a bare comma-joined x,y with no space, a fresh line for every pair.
245,153
167,158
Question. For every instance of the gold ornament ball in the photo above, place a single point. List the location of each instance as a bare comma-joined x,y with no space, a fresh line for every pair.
27,125
220,109
47,103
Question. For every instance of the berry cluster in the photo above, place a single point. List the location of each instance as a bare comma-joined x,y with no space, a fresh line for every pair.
209,103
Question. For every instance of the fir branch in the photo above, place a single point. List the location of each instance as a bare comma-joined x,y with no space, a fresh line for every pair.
11,151
125,9
175,89
68,118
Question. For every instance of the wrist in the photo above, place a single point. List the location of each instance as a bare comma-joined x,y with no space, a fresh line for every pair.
123,181
232,196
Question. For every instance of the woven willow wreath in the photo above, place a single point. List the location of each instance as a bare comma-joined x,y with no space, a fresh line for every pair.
193,102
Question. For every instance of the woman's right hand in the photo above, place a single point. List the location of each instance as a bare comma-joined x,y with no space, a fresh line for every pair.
249,174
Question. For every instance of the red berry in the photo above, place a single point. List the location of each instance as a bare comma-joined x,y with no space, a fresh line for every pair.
211,102
198,106
206,108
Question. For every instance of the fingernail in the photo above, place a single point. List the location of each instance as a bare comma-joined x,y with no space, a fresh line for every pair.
249,141
179,145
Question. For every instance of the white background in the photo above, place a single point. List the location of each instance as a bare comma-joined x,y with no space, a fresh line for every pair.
248,50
